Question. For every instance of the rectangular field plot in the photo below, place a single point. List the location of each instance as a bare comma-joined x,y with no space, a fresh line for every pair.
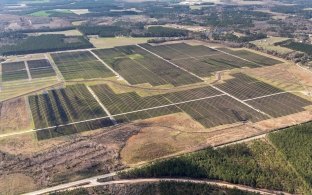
138,66
200,60
59,108
40,68
245,87
280,104
180,51
13,71
220,111
206,105
80,65
251,56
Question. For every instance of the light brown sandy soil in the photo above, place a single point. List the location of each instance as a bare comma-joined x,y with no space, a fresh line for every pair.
14,116
288,77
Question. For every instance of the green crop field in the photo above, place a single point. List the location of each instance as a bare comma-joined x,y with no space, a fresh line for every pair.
13,71
80,65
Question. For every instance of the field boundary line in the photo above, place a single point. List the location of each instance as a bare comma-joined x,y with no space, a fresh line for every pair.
241,101
235,56
171,62
58,73
102,105
27,70
107,66
264,96
120,114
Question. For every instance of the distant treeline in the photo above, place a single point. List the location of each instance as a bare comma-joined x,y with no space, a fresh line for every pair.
45,43
104,31
303,47
137,31
239,39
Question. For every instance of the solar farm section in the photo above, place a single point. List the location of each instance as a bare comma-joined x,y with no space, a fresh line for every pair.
180,67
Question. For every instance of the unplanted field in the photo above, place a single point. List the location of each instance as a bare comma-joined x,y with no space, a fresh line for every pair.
14,116
138,66
117,41
80,65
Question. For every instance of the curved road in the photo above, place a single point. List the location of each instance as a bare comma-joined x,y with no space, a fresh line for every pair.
92,182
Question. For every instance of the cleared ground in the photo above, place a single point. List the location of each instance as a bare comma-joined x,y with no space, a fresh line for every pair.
80,65
14,116
269,44
117,41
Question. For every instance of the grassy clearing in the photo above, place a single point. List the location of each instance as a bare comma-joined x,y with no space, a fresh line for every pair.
66,33
17,88
47,13
117,41
269,44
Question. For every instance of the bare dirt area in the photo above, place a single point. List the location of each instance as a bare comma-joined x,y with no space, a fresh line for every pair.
285,76
14,116
63,159
163,136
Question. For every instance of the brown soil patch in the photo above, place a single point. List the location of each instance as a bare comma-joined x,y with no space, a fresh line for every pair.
16,183
163,136
285,76
14,116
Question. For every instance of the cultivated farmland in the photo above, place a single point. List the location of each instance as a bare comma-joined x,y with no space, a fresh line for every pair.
40,68
13,71
138,66
238,100
201,60
80,65
253,57
57,108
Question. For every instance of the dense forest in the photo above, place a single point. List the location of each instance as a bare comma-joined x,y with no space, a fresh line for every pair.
296,145
303,47
45,43
256,164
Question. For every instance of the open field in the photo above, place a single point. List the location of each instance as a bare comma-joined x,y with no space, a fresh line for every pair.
14,116
117,41
138,66
66,33
80,65
269,44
